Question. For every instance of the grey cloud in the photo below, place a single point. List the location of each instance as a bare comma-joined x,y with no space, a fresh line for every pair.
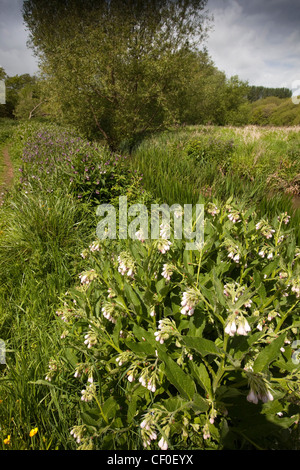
259,41
15,57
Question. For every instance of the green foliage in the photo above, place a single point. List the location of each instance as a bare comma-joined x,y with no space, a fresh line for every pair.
275,111
115,69
125,343
212,149
257,165
7,127
57,157
183,350
256,93
14,90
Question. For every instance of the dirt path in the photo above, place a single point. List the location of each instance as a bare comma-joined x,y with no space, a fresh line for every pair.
7,173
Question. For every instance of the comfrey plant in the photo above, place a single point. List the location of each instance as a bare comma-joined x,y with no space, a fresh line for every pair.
179,349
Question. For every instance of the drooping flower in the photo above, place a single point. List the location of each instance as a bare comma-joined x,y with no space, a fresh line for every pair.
167,328
167,271
243,327
190,298
213,209
126,264
108,311
230,328
140,235
87,277
88,394
90,339
252,397
259,388
162,444
234,216
206,433
95,246
163,245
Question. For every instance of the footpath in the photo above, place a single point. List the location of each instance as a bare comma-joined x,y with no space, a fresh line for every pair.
7,173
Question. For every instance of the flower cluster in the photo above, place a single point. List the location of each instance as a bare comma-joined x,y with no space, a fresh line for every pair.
234,216
163,245
124,357
284,217
167,328
109,312
265,228
91,339
78,432
237,325
140,235
94,246
296,286
233,251
148,379
88,394
87,277
148,430
266,252
259,388
213,209
167,271
190,298
53,367
126,264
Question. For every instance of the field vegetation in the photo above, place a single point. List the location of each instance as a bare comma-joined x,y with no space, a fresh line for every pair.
140,343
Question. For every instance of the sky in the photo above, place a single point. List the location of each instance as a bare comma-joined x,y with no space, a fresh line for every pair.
258,40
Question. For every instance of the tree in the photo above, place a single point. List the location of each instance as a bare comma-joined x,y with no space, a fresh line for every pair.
30,102
115,67
13,86
259,92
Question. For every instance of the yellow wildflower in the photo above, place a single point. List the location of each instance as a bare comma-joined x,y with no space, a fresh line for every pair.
7,440
33,432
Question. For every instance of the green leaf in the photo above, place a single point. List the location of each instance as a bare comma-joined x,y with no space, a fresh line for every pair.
187,261
268,354
131,295
202,376
161,287
183,382
219,289
140,348
201,345
144,335
199,403
109,408
91,416
172,404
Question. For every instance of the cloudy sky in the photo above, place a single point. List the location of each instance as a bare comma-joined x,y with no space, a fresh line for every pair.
257,40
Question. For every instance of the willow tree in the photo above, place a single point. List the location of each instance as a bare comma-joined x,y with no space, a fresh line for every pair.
116,66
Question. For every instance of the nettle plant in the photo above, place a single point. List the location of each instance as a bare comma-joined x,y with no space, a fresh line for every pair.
178,349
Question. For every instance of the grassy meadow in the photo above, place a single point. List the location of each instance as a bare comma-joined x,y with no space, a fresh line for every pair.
131,344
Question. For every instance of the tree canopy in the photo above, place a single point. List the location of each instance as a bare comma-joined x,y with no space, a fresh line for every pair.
116,67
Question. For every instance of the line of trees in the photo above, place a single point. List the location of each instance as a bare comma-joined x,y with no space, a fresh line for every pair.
256,93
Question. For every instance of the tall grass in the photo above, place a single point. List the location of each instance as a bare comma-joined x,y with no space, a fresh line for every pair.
41,238
263,168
